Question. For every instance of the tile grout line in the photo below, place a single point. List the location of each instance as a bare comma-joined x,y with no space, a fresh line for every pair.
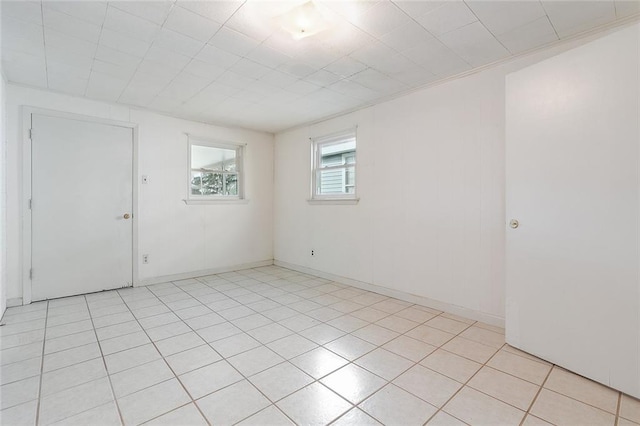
617,419
535,398
284,359
468,325
44,342
464,385
390,382
223,358
170,368
249,288
104,363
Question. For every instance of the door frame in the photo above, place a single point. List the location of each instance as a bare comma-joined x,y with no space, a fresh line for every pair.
26,186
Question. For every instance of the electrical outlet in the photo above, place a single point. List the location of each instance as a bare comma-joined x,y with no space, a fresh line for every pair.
145,179
145,258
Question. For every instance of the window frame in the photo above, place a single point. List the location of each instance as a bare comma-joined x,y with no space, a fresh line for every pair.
239,148
316,167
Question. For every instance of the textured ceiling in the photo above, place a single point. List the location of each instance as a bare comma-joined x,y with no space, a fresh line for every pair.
226,62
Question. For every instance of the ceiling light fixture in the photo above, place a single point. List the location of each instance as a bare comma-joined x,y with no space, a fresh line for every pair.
303,21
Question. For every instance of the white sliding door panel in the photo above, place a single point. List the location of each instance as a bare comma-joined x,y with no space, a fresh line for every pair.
82,188
573,293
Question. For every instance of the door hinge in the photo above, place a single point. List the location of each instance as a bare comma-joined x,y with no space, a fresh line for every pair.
30,203
31,273
30,134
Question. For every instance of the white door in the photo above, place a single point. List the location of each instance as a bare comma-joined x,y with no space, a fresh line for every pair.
573,295
82,192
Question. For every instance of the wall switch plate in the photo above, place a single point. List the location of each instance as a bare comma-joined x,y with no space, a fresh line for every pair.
145,258
145,179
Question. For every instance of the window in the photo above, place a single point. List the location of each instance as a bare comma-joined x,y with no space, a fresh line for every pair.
215,171
334,167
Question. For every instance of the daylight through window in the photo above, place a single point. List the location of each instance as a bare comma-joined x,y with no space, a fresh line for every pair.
334,163
215,170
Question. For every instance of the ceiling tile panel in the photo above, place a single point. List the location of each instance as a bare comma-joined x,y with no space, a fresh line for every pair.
19,60
219,10
233,41
107,54
152,73
216,56
90,11
346,67
68,84
449,16
297,69
30,76
176,42
122,72
250,69
139,95
70,58
105,87
204,69
529,36
70,25
130,25
278,78
154,11
475,44
235,80
62,68
185,86
417,8
569,18
22,36
163,104
500,17
229,62
26,11
123,42
382,18
373,53
354,90
76,45
267,56
251,23
407,37
301,87
323,78
167,58
377,81
191,24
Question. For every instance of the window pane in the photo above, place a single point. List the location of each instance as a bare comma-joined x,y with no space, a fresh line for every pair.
211,158
211,184
338,153
350,176
196,181
231,184
331,181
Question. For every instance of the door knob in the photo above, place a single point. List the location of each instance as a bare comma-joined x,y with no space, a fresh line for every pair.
514,223
126,216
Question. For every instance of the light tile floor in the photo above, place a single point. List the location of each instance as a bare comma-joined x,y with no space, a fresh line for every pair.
270,346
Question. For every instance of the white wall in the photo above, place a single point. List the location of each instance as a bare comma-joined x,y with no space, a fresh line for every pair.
3,195
430,176
179,238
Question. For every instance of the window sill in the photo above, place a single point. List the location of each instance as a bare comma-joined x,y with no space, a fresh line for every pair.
227,201
333,201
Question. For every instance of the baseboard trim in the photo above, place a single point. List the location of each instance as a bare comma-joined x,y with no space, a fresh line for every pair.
408,297
201,273
16,301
